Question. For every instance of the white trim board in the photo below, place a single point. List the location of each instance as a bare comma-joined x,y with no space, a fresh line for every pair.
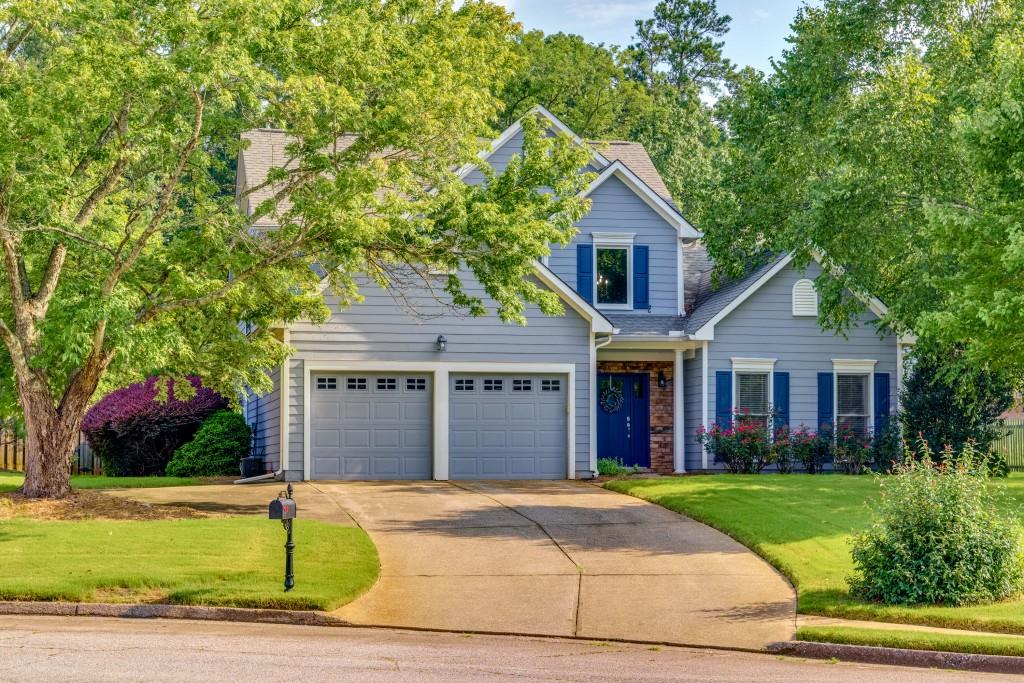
440,372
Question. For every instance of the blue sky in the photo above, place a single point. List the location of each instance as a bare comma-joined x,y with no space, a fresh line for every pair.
758,30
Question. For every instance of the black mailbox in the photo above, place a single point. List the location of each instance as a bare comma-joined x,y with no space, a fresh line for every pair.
283,508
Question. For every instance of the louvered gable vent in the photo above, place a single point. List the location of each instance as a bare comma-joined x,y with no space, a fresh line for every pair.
805,299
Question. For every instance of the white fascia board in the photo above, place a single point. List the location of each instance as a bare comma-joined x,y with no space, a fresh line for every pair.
598,323
512,130
707,330
650,197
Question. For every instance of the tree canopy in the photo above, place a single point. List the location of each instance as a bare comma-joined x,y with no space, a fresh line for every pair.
889,139
124,251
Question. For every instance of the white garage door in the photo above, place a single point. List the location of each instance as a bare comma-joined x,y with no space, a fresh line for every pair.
370,426
507,426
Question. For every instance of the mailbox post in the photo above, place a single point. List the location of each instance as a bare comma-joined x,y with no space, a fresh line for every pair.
283,508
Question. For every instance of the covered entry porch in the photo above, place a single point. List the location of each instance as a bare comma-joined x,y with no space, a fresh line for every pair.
640,387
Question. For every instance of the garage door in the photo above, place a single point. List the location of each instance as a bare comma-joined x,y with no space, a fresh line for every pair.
507,427
366,426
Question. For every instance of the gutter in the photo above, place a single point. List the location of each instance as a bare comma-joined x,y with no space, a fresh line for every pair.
269,476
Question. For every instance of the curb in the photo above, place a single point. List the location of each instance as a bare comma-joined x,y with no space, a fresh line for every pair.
197,612
866,654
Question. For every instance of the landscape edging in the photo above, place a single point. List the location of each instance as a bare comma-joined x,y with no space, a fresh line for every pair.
868,654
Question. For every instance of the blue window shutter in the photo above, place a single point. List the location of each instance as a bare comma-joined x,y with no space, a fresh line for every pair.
826,412
585,272
641,278
881,401
780,400
723,398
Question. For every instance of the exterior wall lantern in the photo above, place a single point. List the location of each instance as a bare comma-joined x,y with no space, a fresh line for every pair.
283,508
662,379
441,344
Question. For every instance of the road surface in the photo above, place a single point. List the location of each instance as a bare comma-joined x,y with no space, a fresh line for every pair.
96,649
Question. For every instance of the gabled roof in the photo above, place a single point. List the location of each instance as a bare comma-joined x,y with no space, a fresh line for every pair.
635,156
721,302
664,209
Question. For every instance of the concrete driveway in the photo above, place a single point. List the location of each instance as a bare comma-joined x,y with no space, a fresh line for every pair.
558,559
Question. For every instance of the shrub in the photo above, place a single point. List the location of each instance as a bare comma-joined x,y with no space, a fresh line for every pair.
887,446
938,537
809,450
996,464
610,467
743,449
782,450
852,452
216,450
135,434
949,401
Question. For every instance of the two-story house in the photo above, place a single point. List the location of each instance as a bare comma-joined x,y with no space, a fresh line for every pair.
399,387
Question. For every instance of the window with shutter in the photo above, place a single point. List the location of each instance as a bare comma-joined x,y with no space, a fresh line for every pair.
805,299
852,402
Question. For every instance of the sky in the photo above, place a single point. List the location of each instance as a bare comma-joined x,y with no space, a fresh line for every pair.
757,33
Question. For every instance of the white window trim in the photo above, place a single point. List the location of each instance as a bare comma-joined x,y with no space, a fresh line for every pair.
615,240
854,366
754,365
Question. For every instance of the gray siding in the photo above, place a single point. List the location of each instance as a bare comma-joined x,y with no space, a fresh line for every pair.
263,413
616,208
764,327
499,159
384,328
692,409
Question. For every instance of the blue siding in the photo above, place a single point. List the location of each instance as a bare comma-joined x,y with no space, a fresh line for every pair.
263,414
764,327
616,208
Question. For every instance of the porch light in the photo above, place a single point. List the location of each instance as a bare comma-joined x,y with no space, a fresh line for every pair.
662,380
441,343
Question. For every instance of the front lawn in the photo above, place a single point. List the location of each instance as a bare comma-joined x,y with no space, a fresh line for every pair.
1012,646
9,481
232,561
802,524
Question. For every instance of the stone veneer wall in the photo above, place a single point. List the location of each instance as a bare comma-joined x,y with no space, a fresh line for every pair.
661,407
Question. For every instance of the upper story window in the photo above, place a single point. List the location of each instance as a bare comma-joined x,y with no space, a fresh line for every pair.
613,270
805,299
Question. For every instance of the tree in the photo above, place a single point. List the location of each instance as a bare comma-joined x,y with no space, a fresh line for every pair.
888,141
124,251
948,402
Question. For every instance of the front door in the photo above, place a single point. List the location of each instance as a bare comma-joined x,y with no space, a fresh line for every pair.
623,418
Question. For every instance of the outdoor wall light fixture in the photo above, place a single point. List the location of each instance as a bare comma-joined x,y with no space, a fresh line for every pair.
662,380
441,343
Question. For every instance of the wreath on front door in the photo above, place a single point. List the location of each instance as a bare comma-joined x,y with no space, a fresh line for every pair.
612,399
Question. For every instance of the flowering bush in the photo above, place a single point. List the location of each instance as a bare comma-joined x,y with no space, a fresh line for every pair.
782,450
852,451
939,537
743,448
135,433
809,449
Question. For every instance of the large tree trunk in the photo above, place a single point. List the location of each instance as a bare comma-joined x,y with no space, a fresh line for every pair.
51,436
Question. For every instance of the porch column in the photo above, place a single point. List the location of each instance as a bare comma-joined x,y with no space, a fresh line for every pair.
678,420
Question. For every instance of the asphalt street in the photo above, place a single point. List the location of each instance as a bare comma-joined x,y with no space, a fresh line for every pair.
97,649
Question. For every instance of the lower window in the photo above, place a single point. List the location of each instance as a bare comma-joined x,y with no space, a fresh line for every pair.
852,403
752,403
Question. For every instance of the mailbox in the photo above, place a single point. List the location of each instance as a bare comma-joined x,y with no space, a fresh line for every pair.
283,508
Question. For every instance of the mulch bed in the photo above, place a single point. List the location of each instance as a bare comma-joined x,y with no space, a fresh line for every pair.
90,505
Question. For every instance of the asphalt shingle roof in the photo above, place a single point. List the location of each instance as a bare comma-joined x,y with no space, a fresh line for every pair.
714,301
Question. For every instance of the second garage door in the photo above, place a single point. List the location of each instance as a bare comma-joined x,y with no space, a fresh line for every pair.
507,426
366,426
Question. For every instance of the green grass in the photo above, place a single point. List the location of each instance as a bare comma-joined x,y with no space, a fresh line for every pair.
914,640
802,524
232,561
9,481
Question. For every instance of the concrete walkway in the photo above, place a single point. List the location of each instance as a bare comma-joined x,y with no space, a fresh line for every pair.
537,558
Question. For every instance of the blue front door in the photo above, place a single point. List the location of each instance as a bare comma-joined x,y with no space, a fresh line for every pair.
623,418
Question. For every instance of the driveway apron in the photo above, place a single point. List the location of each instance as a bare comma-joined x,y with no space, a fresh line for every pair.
558,559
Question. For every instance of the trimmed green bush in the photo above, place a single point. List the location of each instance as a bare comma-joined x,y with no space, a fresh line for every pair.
938,537
219,444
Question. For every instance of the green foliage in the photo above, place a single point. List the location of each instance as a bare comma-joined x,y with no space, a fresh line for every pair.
611,467
222,440
812,450
936,641
946,400
743,447
938,538
120,125
851,452
888,139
